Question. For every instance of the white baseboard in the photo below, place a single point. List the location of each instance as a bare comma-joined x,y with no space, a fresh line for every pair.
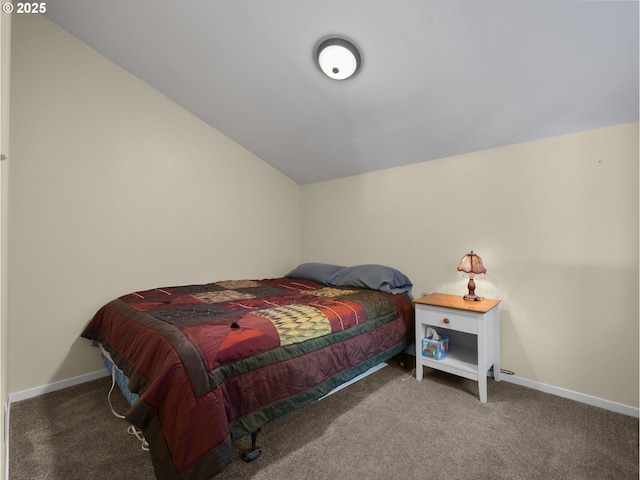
579,397
52,387
373,369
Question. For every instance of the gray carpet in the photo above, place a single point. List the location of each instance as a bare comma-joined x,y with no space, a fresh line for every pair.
386,426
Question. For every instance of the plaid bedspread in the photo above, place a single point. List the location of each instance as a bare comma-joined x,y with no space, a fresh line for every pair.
213,363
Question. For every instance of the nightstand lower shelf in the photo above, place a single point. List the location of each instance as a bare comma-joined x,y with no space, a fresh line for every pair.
461,361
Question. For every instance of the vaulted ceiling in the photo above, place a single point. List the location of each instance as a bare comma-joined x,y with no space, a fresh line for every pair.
438,77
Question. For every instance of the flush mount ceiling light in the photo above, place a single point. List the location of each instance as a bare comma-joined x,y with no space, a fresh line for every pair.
338,58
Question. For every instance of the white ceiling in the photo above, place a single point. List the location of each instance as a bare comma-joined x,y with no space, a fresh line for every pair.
438,78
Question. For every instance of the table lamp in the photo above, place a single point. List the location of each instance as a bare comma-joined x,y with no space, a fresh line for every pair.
471,265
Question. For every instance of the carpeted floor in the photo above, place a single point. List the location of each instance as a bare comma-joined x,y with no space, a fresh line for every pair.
386,426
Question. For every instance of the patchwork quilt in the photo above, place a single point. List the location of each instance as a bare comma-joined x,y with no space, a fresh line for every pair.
213,363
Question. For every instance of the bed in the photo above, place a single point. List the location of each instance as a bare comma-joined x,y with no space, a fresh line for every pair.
207,364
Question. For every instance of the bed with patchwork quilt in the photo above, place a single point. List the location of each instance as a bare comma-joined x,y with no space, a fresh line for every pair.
209,364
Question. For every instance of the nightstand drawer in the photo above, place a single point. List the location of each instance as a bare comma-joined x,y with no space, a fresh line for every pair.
447,319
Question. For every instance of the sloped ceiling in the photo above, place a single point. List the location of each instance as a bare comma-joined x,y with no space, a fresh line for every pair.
438,78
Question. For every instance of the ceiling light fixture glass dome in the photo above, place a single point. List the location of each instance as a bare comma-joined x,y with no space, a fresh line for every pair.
338,58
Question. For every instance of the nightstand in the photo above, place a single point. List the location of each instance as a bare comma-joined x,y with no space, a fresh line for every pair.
474,331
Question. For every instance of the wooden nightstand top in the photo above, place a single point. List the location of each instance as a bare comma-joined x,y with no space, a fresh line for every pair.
456,301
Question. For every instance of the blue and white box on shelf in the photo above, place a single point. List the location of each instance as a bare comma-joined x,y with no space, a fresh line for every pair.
435,346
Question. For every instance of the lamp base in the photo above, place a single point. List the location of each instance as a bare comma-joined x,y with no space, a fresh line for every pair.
472,298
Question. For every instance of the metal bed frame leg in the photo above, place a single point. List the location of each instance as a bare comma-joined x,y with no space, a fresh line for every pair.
254,452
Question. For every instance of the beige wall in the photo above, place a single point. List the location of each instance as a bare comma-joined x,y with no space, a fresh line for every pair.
114,188
556,224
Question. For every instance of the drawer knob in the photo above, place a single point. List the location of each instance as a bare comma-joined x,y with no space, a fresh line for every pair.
446,320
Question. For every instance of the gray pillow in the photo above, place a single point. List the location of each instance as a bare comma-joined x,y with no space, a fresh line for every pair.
317,272
375,277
